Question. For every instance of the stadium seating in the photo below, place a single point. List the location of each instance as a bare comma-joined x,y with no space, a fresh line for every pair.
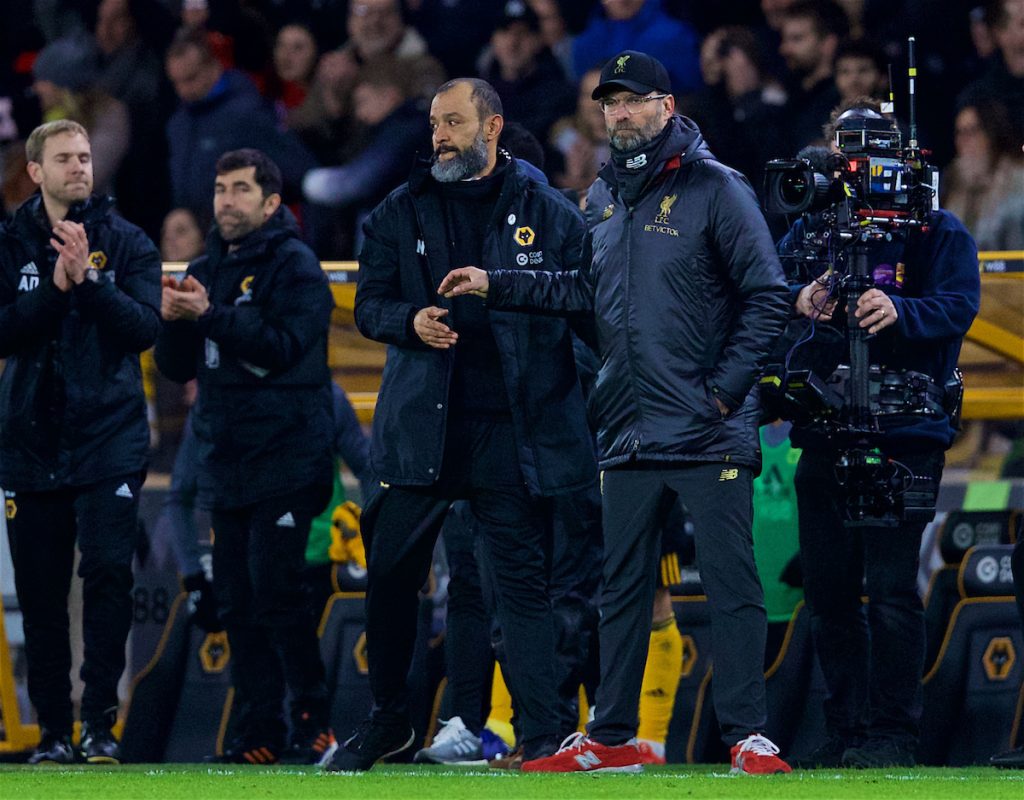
961,531
693,732
971,692
795,690
181,702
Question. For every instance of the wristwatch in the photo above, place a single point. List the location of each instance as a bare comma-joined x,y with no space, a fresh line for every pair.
92,274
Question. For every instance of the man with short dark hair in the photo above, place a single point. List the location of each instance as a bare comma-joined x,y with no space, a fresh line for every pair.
524,73
79,300
250,321
687,300
1004,79
811,32
475,404
860,70
220,110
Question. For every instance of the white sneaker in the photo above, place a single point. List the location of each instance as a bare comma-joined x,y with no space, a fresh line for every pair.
454,744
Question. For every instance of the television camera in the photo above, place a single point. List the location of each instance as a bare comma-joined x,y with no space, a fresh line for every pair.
869,188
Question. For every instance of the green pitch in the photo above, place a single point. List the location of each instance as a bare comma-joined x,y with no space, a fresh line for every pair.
195,782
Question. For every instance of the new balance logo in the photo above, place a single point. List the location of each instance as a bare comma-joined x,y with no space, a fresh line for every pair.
286,520
421,247
30,269
637,162
587,760
124,491
729,475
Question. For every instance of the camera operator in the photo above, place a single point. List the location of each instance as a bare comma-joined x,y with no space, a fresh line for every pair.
924,296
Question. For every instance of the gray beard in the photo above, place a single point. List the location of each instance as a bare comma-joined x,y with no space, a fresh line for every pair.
644,137
464,165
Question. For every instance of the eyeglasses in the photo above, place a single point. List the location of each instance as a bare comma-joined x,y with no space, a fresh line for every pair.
634,103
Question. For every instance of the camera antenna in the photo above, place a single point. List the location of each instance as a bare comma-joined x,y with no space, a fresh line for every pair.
890,107
912,76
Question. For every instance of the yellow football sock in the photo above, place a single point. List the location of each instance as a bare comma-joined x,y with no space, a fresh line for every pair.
661,680
500,719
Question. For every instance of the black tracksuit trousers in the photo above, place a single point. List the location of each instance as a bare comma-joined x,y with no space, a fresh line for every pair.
42,528
259,553
636,500
400,527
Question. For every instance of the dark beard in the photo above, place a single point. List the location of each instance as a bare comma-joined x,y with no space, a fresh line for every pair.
465,164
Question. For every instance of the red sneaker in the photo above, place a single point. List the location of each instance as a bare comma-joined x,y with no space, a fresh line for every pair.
756,755
580,754
648,755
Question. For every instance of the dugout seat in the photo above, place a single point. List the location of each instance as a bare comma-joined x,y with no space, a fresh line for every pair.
795,690
971,692
693,731
343,648
961,531
181,702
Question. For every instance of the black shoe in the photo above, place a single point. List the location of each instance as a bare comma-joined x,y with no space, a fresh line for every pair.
372,742
53,749
247,751
98,744
311,743
1010,759
879,752
827,755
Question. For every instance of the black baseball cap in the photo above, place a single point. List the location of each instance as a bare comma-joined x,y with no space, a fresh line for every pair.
635,71
518,11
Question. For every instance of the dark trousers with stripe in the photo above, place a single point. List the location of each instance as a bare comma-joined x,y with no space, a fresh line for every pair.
259,554
400,527
42,528
872,658
636,501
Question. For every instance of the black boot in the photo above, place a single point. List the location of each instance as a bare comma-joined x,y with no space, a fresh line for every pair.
372,742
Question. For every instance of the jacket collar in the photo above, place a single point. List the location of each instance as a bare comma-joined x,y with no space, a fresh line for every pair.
683,145
31,215
266,238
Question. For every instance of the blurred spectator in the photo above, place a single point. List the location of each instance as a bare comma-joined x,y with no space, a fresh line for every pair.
394,127
295,57
1004,80
59,18
811,32
17,185
377,33
555,32
19,111
181,238
220,110
456,31
65,73
985,182
130,71
740,111
524,146
524,73
775,12
860,70
756,103
640,25
982,37
239,35
582,139
854,10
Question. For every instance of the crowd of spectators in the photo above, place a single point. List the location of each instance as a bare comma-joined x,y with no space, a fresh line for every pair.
335,91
